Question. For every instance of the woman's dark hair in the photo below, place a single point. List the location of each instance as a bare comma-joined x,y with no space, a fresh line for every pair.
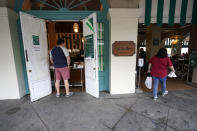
162,53
60,41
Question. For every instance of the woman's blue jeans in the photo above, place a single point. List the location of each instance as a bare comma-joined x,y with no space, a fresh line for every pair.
156,84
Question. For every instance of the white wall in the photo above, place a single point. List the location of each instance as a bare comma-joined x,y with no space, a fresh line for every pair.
13,16
123,27
11,77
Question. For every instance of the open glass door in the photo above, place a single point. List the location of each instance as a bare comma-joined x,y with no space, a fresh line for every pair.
36,54
91,55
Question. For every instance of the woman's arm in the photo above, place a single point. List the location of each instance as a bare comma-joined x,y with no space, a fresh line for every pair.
172,68
149,67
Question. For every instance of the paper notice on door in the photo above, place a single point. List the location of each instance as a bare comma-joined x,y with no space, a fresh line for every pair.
36,43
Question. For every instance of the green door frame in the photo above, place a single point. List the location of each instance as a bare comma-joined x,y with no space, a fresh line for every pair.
71,15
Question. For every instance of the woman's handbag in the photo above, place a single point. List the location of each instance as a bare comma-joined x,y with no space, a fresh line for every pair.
148,81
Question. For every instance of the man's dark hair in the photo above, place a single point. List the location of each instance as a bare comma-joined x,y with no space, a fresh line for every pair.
162,53
60,41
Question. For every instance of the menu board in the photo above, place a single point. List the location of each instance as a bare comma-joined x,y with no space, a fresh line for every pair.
89,46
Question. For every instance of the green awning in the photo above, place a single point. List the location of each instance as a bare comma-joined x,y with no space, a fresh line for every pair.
168,11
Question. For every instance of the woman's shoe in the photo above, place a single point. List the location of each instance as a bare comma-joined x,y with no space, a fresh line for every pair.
155,98
165,93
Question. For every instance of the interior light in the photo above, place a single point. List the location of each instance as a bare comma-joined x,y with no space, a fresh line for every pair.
76,30
76,27
83,40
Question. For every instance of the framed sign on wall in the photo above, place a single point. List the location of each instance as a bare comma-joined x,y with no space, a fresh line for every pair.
123,48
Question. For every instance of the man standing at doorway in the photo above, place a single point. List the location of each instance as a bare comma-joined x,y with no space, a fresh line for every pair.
60,59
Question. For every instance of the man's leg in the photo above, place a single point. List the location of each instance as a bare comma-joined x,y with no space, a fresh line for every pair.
57,82
65,72
57,86
66,86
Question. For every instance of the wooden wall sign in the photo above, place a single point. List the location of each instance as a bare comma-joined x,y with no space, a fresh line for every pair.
123,48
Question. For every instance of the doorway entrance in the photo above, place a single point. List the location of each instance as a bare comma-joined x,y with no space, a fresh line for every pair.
36,54
176,40
72,34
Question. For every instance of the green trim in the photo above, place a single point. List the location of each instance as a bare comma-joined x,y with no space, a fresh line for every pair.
107,54
104,75
148,4
100,41
22,56
105,6
65,15
18,5
194,13
183,12
63,9
172,12
160,12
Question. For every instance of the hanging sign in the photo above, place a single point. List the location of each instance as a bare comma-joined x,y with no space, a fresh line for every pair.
123,48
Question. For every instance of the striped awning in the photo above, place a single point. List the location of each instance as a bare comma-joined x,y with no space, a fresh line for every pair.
168,11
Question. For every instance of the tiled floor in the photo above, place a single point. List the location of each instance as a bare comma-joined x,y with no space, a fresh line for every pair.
135,112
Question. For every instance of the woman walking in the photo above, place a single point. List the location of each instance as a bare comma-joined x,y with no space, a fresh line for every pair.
158,67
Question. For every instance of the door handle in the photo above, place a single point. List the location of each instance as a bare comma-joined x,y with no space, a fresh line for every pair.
26,55
94,68
30,70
